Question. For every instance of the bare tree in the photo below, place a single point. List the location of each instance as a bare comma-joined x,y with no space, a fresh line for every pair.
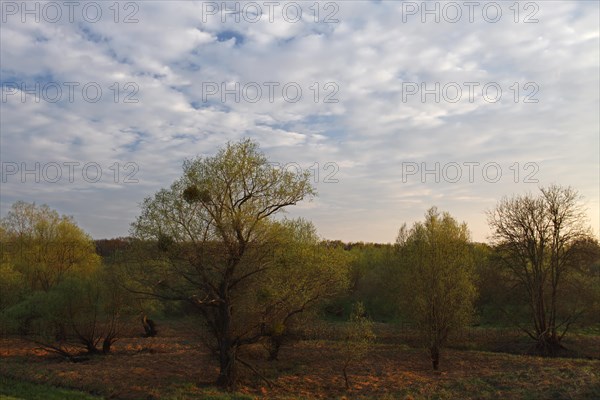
536,239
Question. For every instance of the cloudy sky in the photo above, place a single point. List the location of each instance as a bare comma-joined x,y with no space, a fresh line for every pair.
393,106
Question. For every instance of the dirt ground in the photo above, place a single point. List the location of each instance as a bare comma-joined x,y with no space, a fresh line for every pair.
175,365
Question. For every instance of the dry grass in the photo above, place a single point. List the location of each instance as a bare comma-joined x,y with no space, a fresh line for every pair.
175,366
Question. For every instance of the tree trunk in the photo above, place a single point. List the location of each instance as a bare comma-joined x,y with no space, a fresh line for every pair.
149,327
345,372
106,345
274,346
91,348
435,356
548,345
61,333
227,364
227,346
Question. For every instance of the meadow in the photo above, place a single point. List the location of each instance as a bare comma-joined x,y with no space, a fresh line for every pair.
479,363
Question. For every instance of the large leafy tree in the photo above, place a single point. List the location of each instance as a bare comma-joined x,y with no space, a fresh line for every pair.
306,272
216,238
543,240
57,293
45,247
439,291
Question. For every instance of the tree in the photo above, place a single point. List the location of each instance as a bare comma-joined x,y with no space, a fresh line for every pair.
12,282
60,295
89,313
40,249
305,273
375,279
44,246
439,291
215,234
496,301
581,288
358,341
536,237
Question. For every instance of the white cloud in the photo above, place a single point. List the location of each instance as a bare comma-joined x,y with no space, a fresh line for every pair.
374,129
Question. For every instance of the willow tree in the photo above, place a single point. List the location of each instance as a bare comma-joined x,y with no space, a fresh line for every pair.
45,247
54,289
215,234
439,291
539,240
306,272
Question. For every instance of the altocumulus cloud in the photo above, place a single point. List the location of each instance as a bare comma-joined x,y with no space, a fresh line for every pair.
392,106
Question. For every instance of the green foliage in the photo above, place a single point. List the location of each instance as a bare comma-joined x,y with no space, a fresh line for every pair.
45,247
580,290
57,291
12,285
359,339
375,280
79,311
217,243
305,273
496,302
439,288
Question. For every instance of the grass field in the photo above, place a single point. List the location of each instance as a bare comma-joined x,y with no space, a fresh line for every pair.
13,389
174,366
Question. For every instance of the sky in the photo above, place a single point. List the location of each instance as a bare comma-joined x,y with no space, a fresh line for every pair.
393,106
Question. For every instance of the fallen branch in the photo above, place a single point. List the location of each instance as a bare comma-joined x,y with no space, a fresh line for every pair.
261,376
